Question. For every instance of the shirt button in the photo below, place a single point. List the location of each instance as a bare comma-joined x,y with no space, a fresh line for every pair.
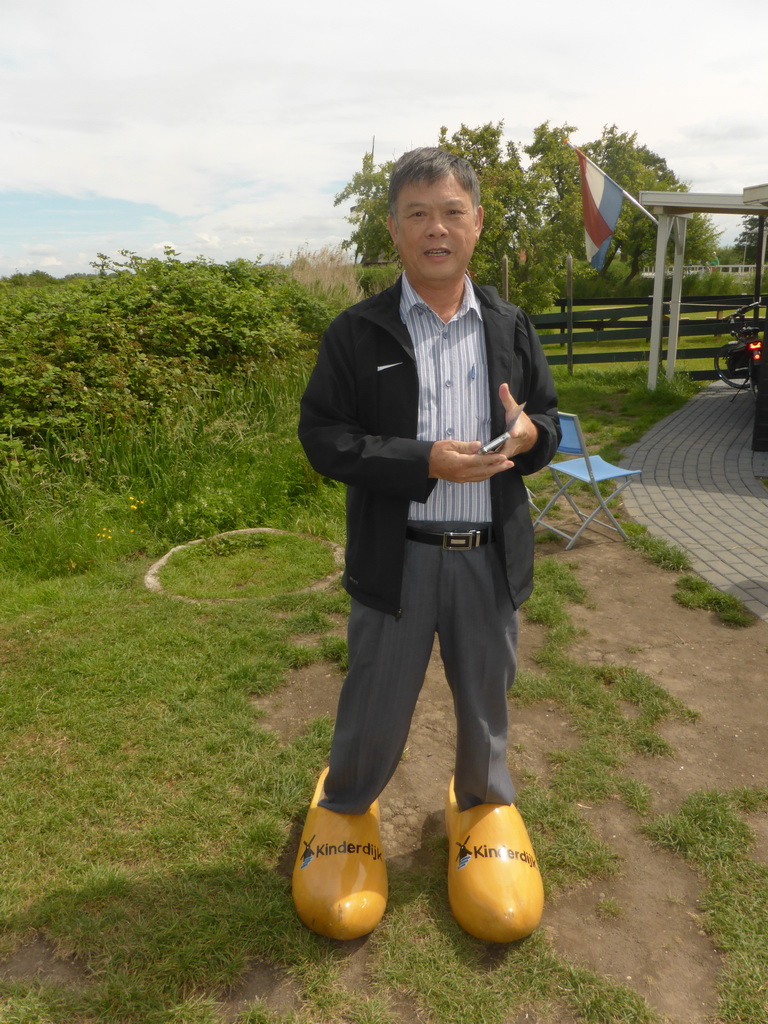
449,432
449,383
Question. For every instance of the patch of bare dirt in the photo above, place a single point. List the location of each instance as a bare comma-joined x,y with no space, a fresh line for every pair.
37,961
641,928
261,985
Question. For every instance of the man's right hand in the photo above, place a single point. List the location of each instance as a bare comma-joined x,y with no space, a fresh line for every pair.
459,462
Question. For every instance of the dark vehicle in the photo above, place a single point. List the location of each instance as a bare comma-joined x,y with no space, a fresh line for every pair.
738,362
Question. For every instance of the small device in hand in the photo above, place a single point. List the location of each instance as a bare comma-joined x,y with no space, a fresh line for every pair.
498,442
494,445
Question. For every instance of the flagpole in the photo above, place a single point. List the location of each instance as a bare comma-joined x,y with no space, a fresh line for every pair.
626,194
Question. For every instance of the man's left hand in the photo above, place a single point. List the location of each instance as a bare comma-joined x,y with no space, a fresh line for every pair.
525,433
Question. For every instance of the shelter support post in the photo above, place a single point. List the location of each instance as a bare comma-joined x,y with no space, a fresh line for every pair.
680,228
657,314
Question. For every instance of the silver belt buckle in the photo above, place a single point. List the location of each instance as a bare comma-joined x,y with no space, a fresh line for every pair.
461,541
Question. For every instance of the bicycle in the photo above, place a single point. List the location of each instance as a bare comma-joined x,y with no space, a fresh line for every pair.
737,363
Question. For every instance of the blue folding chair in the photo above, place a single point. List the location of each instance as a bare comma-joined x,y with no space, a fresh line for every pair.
586,469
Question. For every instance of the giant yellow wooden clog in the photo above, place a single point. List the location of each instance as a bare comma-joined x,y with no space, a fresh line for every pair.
494,884
340,878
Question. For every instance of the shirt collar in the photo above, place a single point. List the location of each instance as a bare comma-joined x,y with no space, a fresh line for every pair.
410,299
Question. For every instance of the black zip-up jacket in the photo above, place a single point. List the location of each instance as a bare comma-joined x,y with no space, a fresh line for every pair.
358,425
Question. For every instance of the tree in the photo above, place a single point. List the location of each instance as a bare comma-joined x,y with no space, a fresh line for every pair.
503,194
370,237
702,239
636,168
533,214
633,168
555,226
746,241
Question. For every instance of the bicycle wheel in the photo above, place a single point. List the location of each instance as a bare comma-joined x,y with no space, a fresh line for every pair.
731,369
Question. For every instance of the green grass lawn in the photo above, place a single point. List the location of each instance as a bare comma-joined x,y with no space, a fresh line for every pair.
145,813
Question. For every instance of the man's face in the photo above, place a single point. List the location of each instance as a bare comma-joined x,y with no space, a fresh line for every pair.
435,230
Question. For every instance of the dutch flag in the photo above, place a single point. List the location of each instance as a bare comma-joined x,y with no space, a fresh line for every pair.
602,199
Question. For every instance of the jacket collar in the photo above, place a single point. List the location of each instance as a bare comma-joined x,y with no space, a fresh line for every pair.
384,309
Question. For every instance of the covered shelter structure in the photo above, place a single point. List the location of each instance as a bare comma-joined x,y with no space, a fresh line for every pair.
673,210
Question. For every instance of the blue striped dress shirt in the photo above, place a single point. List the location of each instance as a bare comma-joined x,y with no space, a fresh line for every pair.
453,397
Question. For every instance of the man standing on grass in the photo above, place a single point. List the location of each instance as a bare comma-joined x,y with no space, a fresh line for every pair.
408,386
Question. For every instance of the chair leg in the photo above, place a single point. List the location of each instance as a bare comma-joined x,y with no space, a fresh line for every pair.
592,520
551,502
587,519
539,520
602,506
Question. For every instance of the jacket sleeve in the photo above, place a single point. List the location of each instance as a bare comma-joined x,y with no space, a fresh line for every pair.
338,425
540,396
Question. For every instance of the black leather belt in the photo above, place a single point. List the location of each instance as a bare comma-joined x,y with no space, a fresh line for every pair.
454,540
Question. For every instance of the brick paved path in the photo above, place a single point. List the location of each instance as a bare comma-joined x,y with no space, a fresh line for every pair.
701,490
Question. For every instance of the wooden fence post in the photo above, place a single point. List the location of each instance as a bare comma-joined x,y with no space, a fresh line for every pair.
569,309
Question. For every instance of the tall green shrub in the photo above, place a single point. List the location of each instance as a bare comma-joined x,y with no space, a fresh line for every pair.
140,333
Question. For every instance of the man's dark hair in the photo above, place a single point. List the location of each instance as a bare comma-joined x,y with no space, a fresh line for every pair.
430,164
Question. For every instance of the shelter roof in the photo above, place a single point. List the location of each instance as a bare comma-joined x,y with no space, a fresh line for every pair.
677,203
756,195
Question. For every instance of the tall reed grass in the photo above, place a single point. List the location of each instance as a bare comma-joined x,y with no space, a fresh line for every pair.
328,274
221,460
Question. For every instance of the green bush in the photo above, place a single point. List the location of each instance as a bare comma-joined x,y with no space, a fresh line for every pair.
141,333
589,285
374,279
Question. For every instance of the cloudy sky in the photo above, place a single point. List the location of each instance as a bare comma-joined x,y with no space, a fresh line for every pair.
225,128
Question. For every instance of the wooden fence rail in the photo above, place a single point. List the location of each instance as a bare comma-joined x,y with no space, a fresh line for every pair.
626,319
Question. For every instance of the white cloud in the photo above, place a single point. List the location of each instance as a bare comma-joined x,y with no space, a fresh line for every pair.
236,123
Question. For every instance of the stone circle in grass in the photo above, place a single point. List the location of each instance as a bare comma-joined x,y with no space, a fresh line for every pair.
245,565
